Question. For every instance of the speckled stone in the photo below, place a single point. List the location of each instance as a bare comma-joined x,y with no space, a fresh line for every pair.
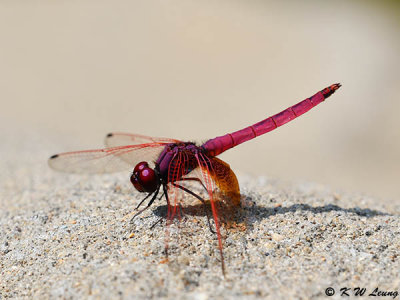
69,236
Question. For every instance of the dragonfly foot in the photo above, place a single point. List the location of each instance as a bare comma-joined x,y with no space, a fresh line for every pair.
158,221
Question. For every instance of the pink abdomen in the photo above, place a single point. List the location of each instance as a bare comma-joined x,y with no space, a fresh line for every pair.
220,144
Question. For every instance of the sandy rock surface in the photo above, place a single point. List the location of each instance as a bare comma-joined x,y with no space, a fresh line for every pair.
69,236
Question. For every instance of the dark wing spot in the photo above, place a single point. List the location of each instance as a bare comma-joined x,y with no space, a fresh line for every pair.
109,135
54,156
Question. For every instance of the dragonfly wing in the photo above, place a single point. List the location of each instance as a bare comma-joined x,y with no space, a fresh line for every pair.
106,160
220,175
226,180
116,139
206,168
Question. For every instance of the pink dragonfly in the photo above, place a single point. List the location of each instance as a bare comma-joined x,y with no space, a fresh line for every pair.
163,163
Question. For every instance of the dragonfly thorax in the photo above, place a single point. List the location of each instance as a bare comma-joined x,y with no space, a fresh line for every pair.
144,178
177,160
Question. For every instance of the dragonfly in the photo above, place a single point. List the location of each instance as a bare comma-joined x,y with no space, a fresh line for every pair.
162,165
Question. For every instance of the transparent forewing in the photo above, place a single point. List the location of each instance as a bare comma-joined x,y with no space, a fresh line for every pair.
106,160
116,139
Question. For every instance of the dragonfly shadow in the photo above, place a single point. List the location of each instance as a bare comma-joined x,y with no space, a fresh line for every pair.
199,210
252,214
257,213
262,212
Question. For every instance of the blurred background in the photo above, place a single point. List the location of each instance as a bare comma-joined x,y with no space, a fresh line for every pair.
72,71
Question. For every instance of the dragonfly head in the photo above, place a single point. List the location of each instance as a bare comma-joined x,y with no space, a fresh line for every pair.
144,178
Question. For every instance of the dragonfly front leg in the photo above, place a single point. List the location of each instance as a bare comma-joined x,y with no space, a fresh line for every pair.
148,205
166,196
165,192
141,202
201,199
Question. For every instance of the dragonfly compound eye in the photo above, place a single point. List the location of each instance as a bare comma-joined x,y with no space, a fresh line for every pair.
136,183
144,178
140,166
148,179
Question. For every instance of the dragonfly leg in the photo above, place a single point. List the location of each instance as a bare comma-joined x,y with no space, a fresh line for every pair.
160,219
141,202
155,223
194,179
201,199
148,205
165,191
